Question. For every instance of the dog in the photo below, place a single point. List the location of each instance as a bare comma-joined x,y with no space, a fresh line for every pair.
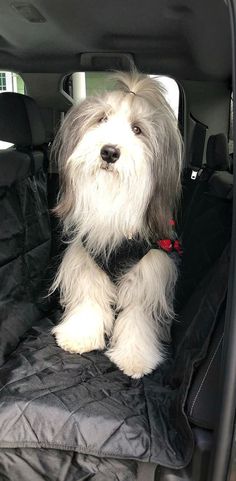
119,157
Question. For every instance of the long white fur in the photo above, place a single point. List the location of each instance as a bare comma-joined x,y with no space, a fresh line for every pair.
109,211
106,205
87,294
144,295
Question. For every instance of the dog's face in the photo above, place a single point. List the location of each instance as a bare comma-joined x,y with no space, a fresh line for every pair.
120,141
122,151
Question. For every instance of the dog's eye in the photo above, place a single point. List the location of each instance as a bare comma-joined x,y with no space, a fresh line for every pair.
104,118
136,130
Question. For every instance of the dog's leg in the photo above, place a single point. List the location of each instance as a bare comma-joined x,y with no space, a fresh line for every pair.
145,295
87,295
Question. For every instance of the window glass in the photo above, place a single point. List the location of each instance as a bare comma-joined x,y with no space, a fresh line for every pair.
10,82
172,92
3,81
82,84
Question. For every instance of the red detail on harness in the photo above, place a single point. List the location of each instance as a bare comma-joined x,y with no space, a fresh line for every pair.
177,247
165,245
169,246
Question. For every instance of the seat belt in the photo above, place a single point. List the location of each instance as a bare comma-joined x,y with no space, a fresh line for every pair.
197,146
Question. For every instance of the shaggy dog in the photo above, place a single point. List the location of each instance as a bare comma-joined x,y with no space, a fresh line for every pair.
120,162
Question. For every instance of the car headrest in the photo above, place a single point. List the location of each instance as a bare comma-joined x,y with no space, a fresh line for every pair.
217,155
20,120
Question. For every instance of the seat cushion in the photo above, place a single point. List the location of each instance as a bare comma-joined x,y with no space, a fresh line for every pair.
217,154
49,464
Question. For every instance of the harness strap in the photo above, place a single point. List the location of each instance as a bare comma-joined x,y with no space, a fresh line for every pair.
130,252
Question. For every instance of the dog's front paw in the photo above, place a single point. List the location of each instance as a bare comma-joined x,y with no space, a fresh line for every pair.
82,331
135,348
132,361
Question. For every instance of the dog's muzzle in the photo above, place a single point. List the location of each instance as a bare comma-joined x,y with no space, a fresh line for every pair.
110,153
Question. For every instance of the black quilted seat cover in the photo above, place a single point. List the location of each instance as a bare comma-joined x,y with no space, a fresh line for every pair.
25,243
55,404
66,417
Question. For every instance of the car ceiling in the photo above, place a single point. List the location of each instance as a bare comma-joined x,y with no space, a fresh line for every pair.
183,38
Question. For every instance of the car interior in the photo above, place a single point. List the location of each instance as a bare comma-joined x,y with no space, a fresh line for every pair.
68,417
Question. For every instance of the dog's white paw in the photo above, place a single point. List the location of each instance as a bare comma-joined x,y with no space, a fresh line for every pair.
132,361
135,348
83,330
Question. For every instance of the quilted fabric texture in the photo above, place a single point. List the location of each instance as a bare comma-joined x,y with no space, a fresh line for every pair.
25,241
66,417
51,399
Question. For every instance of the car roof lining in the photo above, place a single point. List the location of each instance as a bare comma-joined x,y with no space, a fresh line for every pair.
169,37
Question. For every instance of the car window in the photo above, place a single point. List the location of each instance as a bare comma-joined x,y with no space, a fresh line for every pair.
82,84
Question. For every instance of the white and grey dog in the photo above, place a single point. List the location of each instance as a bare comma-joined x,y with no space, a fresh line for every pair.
120,162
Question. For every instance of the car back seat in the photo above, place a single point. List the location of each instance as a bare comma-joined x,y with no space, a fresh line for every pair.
217,159
207,221
203,399
194,154
25,227
204,242
21,190
206,237
211,216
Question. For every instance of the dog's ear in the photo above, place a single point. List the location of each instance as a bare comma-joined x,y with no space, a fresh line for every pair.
164,151
78,120
62,148
166,172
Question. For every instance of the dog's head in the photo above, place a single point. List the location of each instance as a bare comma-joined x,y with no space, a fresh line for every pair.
126,141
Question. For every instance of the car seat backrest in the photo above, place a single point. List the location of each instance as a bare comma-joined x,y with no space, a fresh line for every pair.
25,235
217,155
194,178
20,120
194,154
206,233
205,236
20,124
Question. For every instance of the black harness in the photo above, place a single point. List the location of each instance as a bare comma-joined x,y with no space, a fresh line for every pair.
132,251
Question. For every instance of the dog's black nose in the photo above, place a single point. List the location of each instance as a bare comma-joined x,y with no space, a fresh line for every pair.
110,153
